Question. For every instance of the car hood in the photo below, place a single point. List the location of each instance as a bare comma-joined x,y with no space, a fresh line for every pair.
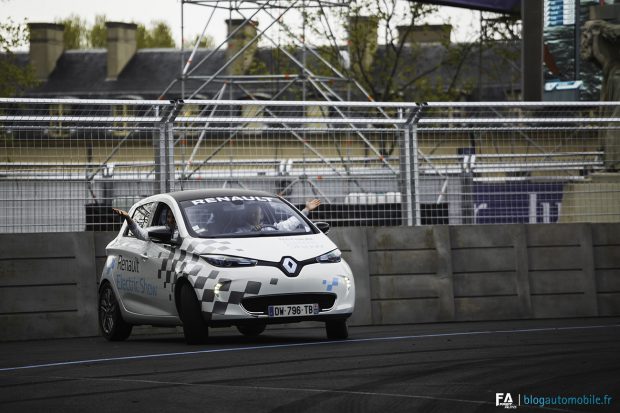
267,248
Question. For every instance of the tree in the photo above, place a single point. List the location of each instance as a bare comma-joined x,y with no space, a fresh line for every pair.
14,78
159,35
78,35
207,42
75,35
395,70
97,35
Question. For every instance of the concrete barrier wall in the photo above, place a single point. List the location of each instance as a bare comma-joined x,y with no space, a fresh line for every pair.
47,285
494,272
48,282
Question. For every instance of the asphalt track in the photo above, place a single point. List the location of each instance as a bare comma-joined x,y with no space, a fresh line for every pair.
452,367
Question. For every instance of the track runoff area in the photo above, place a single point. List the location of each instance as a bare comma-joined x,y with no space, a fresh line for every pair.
569,365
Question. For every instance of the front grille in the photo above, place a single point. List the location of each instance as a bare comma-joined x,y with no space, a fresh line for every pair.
260,304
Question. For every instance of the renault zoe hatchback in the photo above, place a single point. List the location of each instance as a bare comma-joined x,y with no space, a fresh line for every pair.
223,258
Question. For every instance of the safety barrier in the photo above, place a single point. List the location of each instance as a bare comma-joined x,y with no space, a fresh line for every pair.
65,162
48,282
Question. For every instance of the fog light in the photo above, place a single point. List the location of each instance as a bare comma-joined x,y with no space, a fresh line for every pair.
347,282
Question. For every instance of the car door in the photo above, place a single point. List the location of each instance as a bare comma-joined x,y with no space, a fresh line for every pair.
157,268
130,258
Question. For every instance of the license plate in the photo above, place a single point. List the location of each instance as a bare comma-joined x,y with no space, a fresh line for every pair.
293,310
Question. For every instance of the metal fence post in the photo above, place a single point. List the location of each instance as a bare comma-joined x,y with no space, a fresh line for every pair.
161,165
170,167
416,173
405,177
409,169
164,149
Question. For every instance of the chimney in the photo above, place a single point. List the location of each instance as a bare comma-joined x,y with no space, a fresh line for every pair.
362,41
428,33
241,65
122,46
46,47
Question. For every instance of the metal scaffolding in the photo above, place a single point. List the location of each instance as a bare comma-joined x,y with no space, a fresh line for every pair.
304,84
242,40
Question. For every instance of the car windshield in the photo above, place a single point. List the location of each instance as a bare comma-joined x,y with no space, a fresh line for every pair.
242,216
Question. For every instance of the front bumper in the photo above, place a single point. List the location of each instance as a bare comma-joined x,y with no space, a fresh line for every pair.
228,295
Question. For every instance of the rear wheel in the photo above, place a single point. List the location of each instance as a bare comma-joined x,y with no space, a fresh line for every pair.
337,330
194,327
251,330
111,323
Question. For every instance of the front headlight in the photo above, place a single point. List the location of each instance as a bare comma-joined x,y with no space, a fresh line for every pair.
332,256
229,261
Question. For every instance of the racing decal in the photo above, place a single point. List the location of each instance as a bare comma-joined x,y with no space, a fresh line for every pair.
301,243
201,281
170,264
208,246
216,300
183,260
128,264
330,285
175,262
232,199
111,264
135,285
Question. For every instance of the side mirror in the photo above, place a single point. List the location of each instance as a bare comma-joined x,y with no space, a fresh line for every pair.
322,226
161,234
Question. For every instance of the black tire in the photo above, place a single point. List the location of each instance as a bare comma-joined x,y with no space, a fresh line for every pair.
251,330
195,329
111,323
337,330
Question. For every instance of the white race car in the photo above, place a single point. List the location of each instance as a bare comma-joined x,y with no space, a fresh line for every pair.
233,257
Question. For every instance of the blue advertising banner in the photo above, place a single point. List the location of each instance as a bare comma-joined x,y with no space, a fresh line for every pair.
517,203
559,12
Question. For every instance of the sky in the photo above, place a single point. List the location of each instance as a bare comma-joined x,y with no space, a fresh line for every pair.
195,16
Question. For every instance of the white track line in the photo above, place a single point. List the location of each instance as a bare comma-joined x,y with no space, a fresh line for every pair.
318,343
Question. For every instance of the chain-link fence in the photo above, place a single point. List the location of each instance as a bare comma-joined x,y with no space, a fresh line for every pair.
64,163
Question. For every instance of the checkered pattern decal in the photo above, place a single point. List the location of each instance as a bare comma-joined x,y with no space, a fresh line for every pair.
210,247
226,295
185,261
330,285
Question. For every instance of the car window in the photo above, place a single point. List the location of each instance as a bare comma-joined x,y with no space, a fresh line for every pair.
141,216
242,216
161,214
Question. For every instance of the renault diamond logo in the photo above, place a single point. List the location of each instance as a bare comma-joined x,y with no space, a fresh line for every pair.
289,265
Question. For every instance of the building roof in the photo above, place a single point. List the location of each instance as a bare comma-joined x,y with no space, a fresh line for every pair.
82,73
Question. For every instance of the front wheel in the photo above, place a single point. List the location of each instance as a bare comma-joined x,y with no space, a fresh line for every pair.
337,330
195,329
111,323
